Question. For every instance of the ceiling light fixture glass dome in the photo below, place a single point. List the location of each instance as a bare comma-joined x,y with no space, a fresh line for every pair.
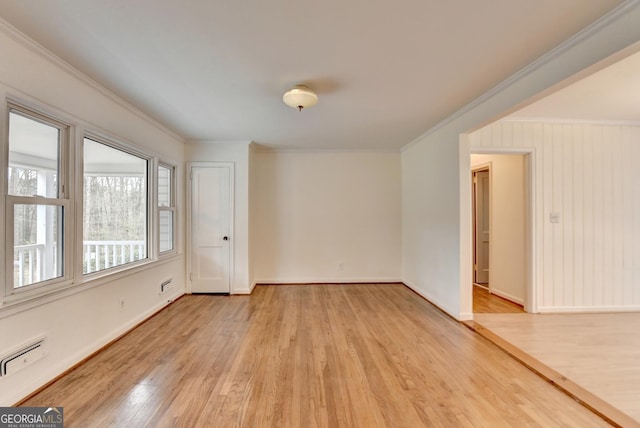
300,97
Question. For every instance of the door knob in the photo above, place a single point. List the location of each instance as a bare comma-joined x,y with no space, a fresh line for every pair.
226,238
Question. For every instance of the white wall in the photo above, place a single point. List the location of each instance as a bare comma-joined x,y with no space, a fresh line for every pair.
435,186
589,175
253,216
76,325
236,152
430,222
327,217
508,238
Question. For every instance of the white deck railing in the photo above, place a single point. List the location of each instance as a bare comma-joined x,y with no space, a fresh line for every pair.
29,266
99,255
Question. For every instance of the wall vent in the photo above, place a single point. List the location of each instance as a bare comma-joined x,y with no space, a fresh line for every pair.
165,285
22,358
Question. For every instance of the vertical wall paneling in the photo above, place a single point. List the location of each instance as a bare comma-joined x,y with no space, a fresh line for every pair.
597,166
607,288
568,134
618,220
588,264
537,132
556,157
629,228
547,191
576,193
496,136
635,291
589,175
507,135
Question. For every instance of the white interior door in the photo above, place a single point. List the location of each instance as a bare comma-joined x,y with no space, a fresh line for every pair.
211,190
481,189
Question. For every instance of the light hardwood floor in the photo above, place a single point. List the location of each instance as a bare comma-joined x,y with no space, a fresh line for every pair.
594,356
308,356
487,303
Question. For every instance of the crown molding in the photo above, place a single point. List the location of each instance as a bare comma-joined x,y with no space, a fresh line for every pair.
267,149
220,142
311,151
39,49
546,58
570,121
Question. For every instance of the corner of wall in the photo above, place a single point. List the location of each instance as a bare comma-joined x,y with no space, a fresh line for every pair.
437,303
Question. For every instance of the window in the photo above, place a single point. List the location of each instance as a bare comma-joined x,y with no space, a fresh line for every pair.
166,208
63,228
37,206
115,215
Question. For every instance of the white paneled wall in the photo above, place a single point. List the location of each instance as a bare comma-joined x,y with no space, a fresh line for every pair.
589,174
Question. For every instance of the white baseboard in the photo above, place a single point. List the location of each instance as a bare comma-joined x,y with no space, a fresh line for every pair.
465,316
507,296
586,309
315,280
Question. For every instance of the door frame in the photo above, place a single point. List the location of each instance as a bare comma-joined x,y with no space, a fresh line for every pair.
482,167
188,180
532,200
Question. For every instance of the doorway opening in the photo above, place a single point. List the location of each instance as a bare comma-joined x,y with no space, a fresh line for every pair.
481,225
500,232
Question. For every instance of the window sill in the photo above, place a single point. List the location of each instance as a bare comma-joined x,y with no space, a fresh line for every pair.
12,305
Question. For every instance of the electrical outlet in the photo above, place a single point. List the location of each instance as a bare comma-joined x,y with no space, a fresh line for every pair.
341,266
554,217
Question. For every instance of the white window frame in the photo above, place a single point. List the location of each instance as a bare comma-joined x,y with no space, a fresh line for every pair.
170,208
151,185
63,199
70,197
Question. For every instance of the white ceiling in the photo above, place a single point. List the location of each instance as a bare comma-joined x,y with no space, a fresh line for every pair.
385,71
611,94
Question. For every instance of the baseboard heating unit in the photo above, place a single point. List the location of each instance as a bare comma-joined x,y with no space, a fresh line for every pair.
22,357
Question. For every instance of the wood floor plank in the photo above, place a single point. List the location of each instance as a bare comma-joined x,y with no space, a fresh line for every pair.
372,355
485,302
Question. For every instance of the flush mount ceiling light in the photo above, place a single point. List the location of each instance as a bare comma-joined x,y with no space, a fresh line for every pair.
300,97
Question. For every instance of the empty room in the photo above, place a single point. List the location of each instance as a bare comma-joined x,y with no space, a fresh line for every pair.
269,213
